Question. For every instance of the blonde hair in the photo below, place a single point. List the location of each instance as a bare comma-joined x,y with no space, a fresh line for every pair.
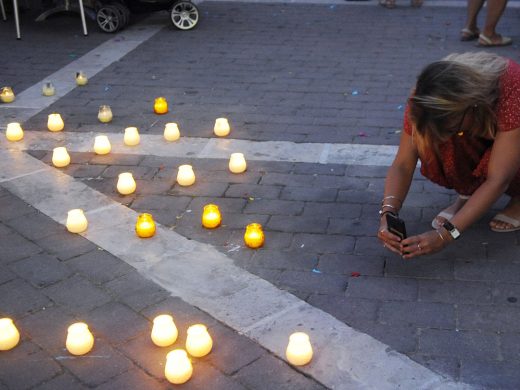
447,90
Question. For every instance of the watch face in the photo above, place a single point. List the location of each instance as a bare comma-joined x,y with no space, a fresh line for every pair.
454,232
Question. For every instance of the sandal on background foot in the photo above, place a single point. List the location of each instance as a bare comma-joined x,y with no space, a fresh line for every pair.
469,35
387,3
515,223
489,42
446,214
416,3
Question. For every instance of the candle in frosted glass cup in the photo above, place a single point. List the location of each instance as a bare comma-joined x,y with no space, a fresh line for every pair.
132,137
9,335
55,122
211,217
164,331
299,350
254,236
102,145
79,339
48,89
14,132
81,78
105,114
76,221
171,132
7,95
178,368
185,175
145,226
237,163
160,106
126,184
60,157
221,128
198,342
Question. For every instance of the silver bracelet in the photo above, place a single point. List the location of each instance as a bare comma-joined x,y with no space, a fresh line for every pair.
391,197
440,234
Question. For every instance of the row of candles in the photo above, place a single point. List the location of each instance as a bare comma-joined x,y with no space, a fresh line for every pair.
178,368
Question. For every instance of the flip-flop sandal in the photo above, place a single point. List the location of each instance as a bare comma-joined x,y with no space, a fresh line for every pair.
485,41
387,3
469,35
515,223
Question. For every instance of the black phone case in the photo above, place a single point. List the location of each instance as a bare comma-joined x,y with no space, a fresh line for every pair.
396,225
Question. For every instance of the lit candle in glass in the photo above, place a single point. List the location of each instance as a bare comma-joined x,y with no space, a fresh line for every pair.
79,339
9,335
164,331
160,105
131,137
14,132
211,217
7,95
48,89
198,342
145,226
55,122
221,128
76,221
299,350
105,114
81,78
237,163
178,368
171,132
60,157
126,183
185,175
102,144
254,235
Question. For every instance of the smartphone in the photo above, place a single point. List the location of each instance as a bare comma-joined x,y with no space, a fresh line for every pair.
396,225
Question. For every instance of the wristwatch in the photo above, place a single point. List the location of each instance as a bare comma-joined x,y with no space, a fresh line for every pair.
454,232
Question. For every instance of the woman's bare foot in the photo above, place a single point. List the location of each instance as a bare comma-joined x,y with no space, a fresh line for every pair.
509,219
449,212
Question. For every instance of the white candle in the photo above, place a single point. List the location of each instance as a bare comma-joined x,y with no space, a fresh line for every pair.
79,339
14,132
60,157
55,123
178,368
81,78
131,137
102,145
185,175
7,95
198,342
237,163
126,183
48,89
76,221
171,132
221,128
164,331
105,114
299,350
9,335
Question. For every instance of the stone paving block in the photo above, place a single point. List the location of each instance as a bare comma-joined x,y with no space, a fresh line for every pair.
506,293
138,172
95,371
65,245
352,311
116,159
366,171
155,187
136,291
319,169
160,202
15,247
491,374
337,210
430,269
347,264
444,365
205,376
200,189
371,246
247,177
147,355
297,224
5,230
487,271
384,289
273,207
403,339
99,266
41,270
352,227
323,243
311,282
240,221
287,180
35,225
78,294
6,275
421,314
62,382
133,379
356,196
253,191
20,298
282,260
454,292
510,346
309,194
84,171
22,370
231,205
13,207
269,372
492,318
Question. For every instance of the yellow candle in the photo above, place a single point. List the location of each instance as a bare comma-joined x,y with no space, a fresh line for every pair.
79,339
299,350
171,132
160,105
211,217
254,235
105,114
164,331
48,89
102,145
76,221
81,78
145,226
178,368
221,128
14,132
198,342
126,183
55,123
60,157
237,163
131,137
9,335
7,95
185,175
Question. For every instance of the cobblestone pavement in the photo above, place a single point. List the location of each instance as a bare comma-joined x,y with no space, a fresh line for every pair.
301,73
